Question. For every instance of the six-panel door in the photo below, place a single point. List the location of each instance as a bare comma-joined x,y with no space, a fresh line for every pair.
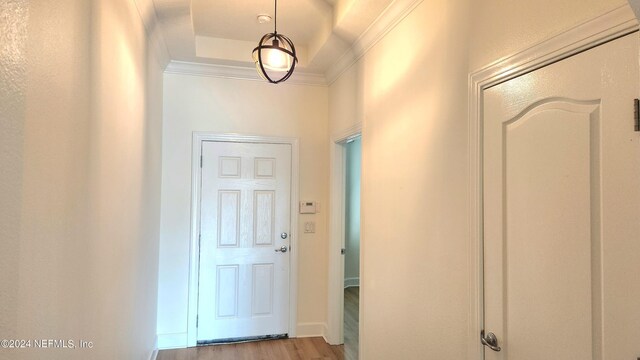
245,207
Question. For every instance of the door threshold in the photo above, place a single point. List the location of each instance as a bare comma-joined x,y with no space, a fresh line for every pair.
241,340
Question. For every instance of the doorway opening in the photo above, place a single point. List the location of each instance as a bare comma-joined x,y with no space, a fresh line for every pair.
339,226
351,249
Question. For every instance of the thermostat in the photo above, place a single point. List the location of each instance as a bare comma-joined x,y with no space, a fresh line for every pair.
308,207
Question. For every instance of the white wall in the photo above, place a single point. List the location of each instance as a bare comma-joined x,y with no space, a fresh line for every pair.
125,168
193,103
82,181
352,212
410,92
410,97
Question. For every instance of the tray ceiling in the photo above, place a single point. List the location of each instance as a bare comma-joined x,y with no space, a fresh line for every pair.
225,32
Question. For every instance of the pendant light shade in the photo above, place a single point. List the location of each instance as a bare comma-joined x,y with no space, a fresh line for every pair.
275,55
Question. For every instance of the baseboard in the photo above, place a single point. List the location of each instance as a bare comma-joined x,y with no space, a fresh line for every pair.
351,282
311,330
172,341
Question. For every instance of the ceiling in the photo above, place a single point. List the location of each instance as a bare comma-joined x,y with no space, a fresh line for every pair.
225,32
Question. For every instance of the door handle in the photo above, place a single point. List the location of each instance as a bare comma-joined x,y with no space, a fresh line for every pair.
490,340
282,249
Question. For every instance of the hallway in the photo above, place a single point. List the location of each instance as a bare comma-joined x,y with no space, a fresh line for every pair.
486,156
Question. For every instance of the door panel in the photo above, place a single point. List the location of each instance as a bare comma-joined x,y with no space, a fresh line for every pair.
227,291
262,294
245,206
228,218
561,168
264,211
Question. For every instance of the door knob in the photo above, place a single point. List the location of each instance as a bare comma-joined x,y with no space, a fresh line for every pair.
282,249
284,235
490,340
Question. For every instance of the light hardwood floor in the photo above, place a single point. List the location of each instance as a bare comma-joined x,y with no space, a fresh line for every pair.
351,338
286,349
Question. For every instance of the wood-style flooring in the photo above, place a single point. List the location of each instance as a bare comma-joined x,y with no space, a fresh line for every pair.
351,305
286,349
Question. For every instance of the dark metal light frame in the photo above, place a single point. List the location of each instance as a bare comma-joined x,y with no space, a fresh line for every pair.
276,40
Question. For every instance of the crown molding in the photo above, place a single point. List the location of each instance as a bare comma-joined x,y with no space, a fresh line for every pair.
148,15
390,17
238,73
606,27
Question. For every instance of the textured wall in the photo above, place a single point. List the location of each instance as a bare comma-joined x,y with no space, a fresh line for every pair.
53,263
14,16
81,103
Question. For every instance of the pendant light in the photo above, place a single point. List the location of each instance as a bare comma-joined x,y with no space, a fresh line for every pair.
275,55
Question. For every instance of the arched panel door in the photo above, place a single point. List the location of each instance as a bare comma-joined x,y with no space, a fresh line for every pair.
561,190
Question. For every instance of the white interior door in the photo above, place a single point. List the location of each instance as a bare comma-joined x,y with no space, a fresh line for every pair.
561,182
244,243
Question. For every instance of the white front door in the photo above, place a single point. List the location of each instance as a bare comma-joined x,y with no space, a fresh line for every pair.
244,241
561,183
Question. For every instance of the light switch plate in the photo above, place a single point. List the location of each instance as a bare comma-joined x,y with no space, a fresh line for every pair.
309,227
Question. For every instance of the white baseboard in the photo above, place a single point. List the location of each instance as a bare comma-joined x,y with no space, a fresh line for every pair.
350,282
172,341
311,330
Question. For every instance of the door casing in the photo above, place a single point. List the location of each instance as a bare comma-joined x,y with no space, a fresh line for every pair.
194,250
611,25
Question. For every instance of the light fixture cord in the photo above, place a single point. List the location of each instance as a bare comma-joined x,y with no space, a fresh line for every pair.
275,22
